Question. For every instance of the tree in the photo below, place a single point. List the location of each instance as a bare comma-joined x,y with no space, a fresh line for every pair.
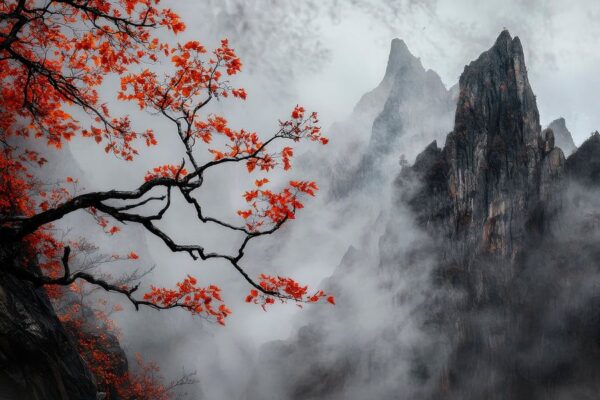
54,56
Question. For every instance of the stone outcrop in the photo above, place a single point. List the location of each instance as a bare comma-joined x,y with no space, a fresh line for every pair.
38,360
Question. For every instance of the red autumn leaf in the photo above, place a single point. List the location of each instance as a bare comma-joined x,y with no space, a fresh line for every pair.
261,182
78,49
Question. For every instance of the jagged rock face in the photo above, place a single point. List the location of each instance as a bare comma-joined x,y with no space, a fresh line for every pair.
430,202
511,295
495,157
584,165
492,158
38,361
563,137
496,303
412,107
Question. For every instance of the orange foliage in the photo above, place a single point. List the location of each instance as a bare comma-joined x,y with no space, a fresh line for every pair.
75,61
96,338
267,207
287,286
170,171
47,68
192,298
146,384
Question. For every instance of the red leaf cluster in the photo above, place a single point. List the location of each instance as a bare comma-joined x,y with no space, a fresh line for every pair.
166,171
197,300
95,339
50,66
284,289
268,207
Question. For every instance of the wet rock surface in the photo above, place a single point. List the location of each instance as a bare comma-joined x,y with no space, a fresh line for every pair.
38,360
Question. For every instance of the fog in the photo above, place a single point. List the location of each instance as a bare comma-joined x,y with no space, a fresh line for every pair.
325,55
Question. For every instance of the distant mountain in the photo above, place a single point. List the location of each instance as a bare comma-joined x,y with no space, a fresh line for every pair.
400,58
563,137
409,108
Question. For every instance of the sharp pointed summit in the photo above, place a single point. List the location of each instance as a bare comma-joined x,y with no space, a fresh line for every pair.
409,108
400,57
498,166
494,85
503,38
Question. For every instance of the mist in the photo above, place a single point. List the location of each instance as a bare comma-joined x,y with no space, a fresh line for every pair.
361,243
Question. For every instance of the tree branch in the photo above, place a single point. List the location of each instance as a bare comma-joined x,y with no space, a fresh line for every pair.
68,278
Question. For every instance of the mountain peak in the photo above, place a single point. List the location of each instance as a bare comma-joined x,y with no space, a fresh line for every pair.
403,66
503,38
399,47
400,57
560,122
499,75
506,41
495,148
409,102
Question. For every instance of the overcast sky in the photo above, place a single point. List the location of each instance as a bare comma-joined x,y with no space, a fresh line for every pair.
328,53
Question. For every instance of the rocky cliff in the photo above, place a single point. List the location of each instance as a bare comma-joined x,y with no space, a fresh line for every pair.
496,168
38,360
39,356
484,284
496,200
